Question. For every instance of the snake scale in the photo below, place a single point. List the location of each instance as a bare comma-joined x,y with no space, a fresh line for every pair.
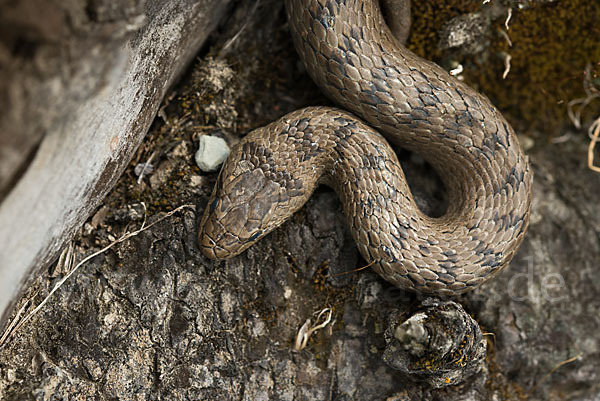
353,57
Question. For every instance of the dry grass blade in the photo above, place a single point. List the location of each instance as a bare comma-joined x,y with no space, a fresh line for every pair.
595,131
308,328
591,92
237,35
490,335
507,58
353,271
554,369
17,322
143,172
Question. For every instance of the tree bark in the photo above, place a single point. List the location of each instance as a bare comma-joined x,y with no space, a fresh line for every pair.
80,84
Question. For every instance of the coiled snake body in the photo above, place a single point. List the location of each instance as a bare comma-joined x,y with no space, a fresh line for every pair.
353,57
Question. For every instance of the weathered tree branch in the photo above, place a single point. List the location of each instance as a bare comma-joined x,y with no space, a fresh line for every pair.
80,85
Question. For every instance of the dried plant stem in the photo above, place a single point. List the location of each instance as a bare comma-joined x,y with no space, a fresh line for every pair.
17,322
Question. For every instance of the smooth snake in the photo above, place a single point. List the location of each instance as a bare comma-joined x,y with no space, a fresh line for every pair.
353,57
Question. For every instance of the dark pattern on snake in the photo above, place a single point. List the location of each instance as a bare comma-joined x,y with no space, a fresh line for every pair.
351,54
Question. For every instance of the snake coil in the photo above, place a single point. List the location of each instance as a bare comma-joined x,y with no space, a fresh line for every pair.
354,58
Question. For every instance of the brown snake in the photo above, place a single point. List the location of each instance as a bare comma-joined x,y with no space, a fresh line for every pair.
353,57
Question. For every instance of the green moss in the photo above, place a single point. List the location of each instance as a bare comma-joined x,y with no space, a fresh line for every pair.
552,44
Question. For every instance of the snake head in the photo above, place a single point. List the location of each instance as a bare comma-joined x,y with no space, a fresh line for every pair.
233,218
250,199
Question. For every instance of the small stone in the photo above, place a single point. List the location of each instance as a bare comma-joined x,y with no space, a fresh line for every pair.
146,168
257,327
413,334
88,229
99,217
371,294
181,150
212,152
526,142
196,181
133,212
162,173
467,33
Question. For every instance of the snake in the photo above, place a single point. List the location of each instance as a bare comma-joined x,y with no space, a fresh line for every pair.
386,95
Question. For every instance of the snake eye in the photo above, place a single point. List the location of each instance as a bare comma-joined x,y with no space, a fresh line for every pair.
255,235
213,205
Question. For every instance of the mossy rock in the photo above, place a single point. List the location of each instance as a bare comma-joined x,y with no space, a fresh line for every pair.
552,43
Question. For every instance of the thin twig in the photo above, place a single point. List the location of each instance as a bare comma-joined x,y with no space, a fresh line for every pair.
307,330
596,131
492,335
161,111
456,71
13,323
353,271
592,93
558,365
237,35
506,37
14,327
507,59
561,139
508,17
146,164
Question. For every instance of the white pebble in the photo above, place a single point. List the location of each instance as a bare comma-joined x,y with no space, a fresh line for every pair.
147,168
212,152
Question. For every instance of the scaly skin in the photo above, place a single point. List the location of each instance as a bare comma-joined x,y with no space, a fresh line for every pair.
352,56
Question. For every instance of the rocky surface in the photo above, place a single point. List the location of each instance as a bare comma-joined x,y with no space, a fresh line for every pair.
152,318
